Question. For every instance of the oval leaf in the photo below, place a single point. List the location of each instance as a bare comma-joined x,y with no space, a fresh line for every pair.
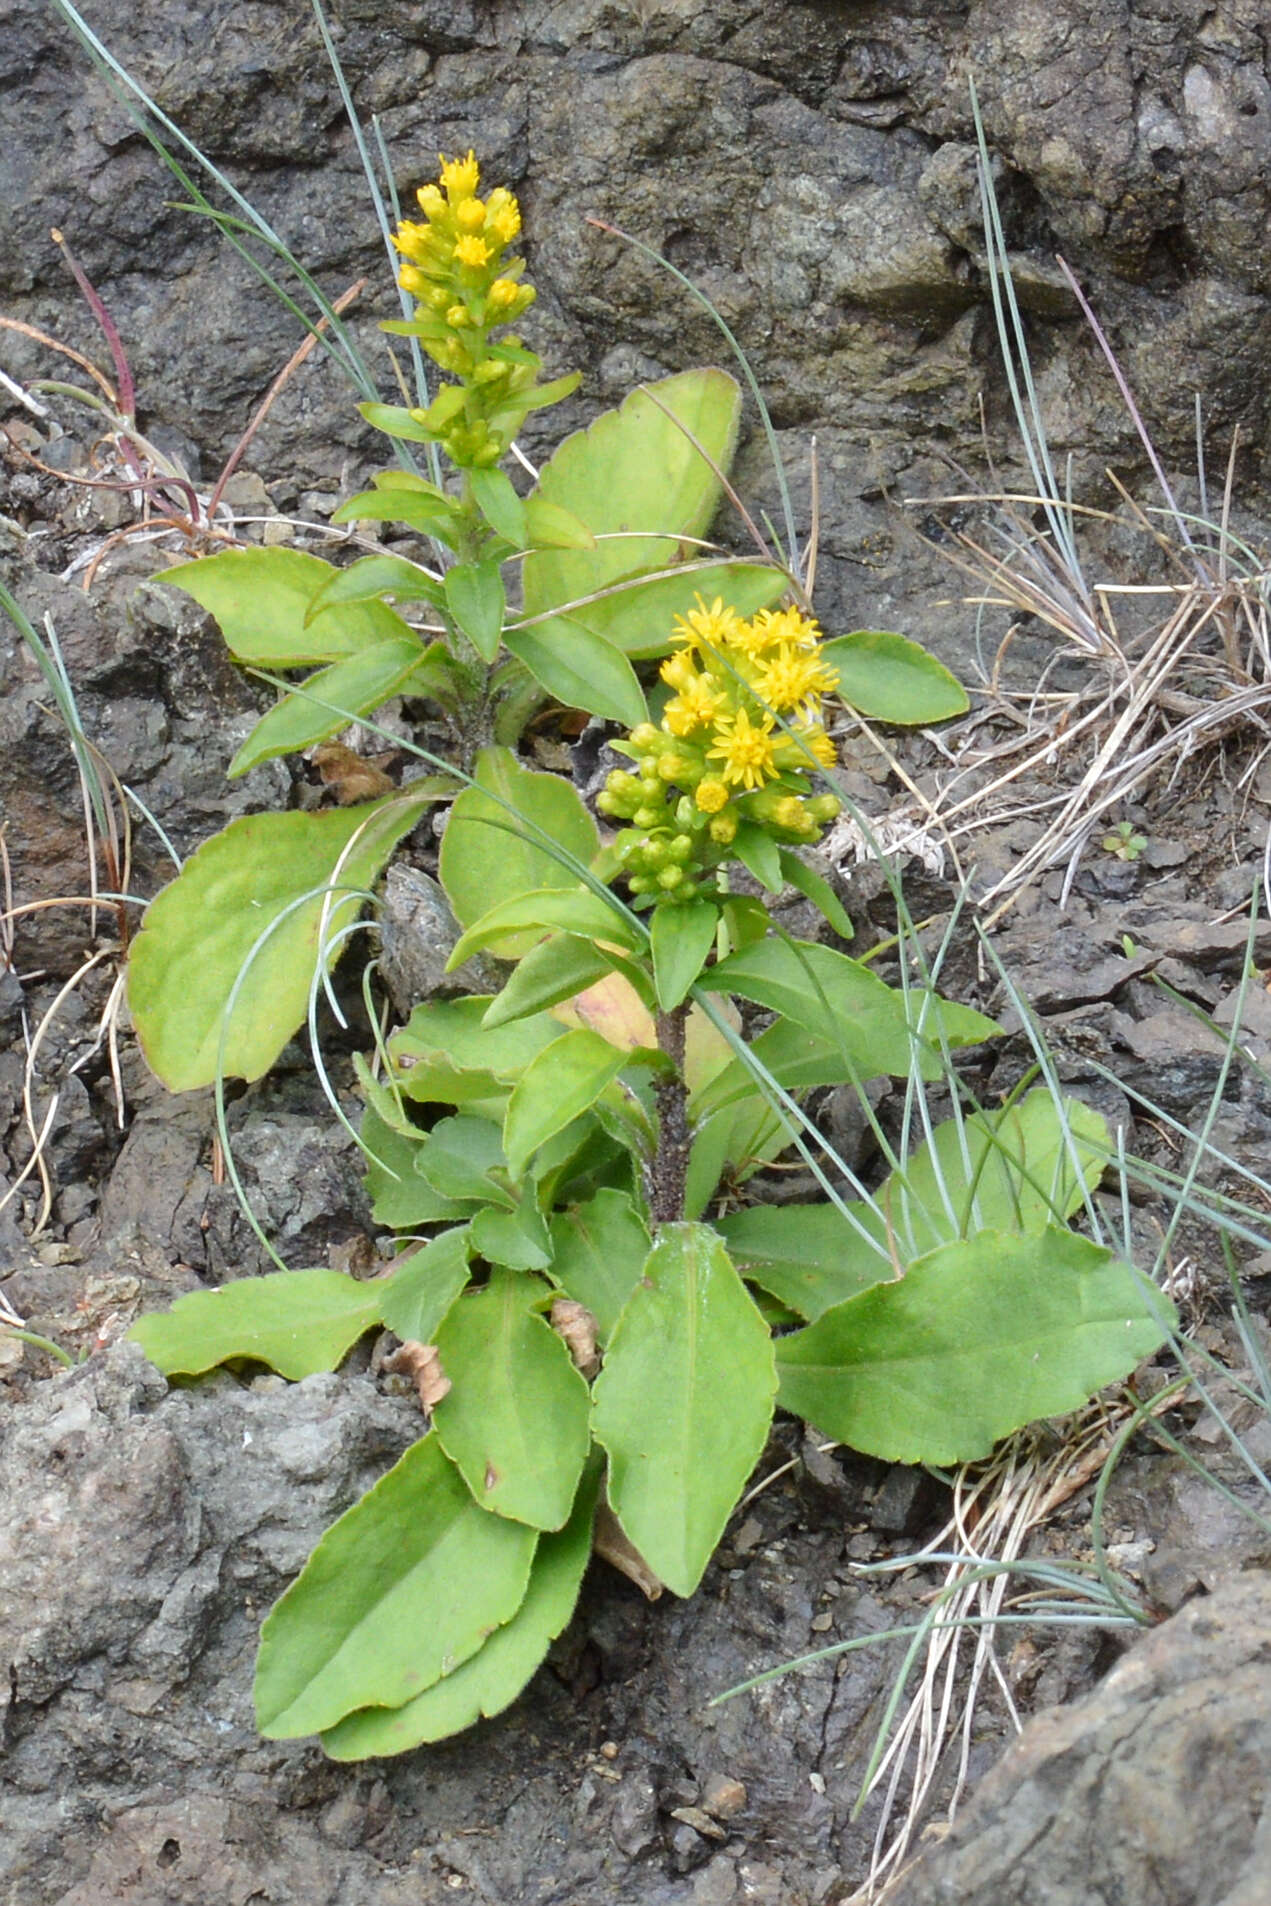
681,937
298,1322
500,505
407,1584
262,599
515,1420
598,1255
424,1285
580,669
977,1339
563,1081
576,910
492,1678
635,470
501,836
475,598
889,678
266,870
330,700
683,1403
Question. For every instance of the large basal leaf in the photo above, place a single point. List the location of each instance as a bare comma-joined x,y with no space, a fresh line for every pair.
889,678
598,1255
330,700
564,1080
638,616
977,1339
635,477
405,1586
261,598
493,1677
1016,1170
298,1322
267,870
499,839
844,1005
515,1420
683,1403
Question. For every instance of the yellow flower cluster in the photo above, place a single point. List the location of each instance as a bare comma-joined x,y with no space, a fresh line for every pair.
455,264
738,739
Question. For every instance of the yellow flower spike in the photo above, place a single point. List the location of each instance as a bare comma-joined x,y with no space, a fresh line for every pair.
459,177
745,750
473,252
711,795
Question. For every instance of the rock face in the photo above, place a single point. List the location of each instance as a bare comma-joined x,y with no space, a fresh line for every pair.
1156,1788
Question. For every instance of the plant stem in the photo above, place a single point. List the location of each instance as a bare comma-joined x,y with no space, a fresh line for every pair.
669,1169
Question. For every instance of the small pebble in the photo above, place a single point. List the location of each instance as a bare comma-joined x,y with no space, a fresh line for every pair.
723,1796
609,1750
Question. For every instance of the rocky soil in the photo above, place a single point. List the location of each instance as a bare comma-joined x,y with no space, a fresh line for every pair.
811,167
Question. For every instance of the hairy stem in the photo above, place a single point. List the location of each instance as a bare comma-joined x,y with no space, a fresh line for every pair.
669,1169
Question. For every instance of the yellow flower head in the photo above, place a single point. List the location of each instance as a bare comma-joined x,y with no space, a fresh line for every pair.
459,177
791,677
431,202
708,629
786,628
745,750
470,215
471,251
818,745
502,215
696,706
711,795
502,293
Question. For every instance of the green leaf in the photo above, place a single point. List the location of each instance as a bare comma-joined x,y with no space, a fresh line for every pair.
814,887
977,1339
682,936
598,1255
551,527
424,1284
406,1585
576,910
331,699
888,678
843,1004
462,1157
475,598
428,513
373,576
501,507
298,1322
563,1081
635,470
807,1255
554,970
446,1054
515,1420
400,1198
683,1403
639,614
517,1239
738,1140
492,1678
500,836
395,421
262,600
760,855
581,669
266,870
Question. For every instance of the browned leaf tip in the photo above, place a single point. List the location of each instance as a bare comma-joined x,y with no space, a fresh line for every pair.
352,778
422,1364
575,1324
612,1546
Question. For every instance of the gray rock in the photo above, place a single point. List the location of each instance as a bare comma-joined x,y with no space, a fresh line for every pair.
1155,1788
